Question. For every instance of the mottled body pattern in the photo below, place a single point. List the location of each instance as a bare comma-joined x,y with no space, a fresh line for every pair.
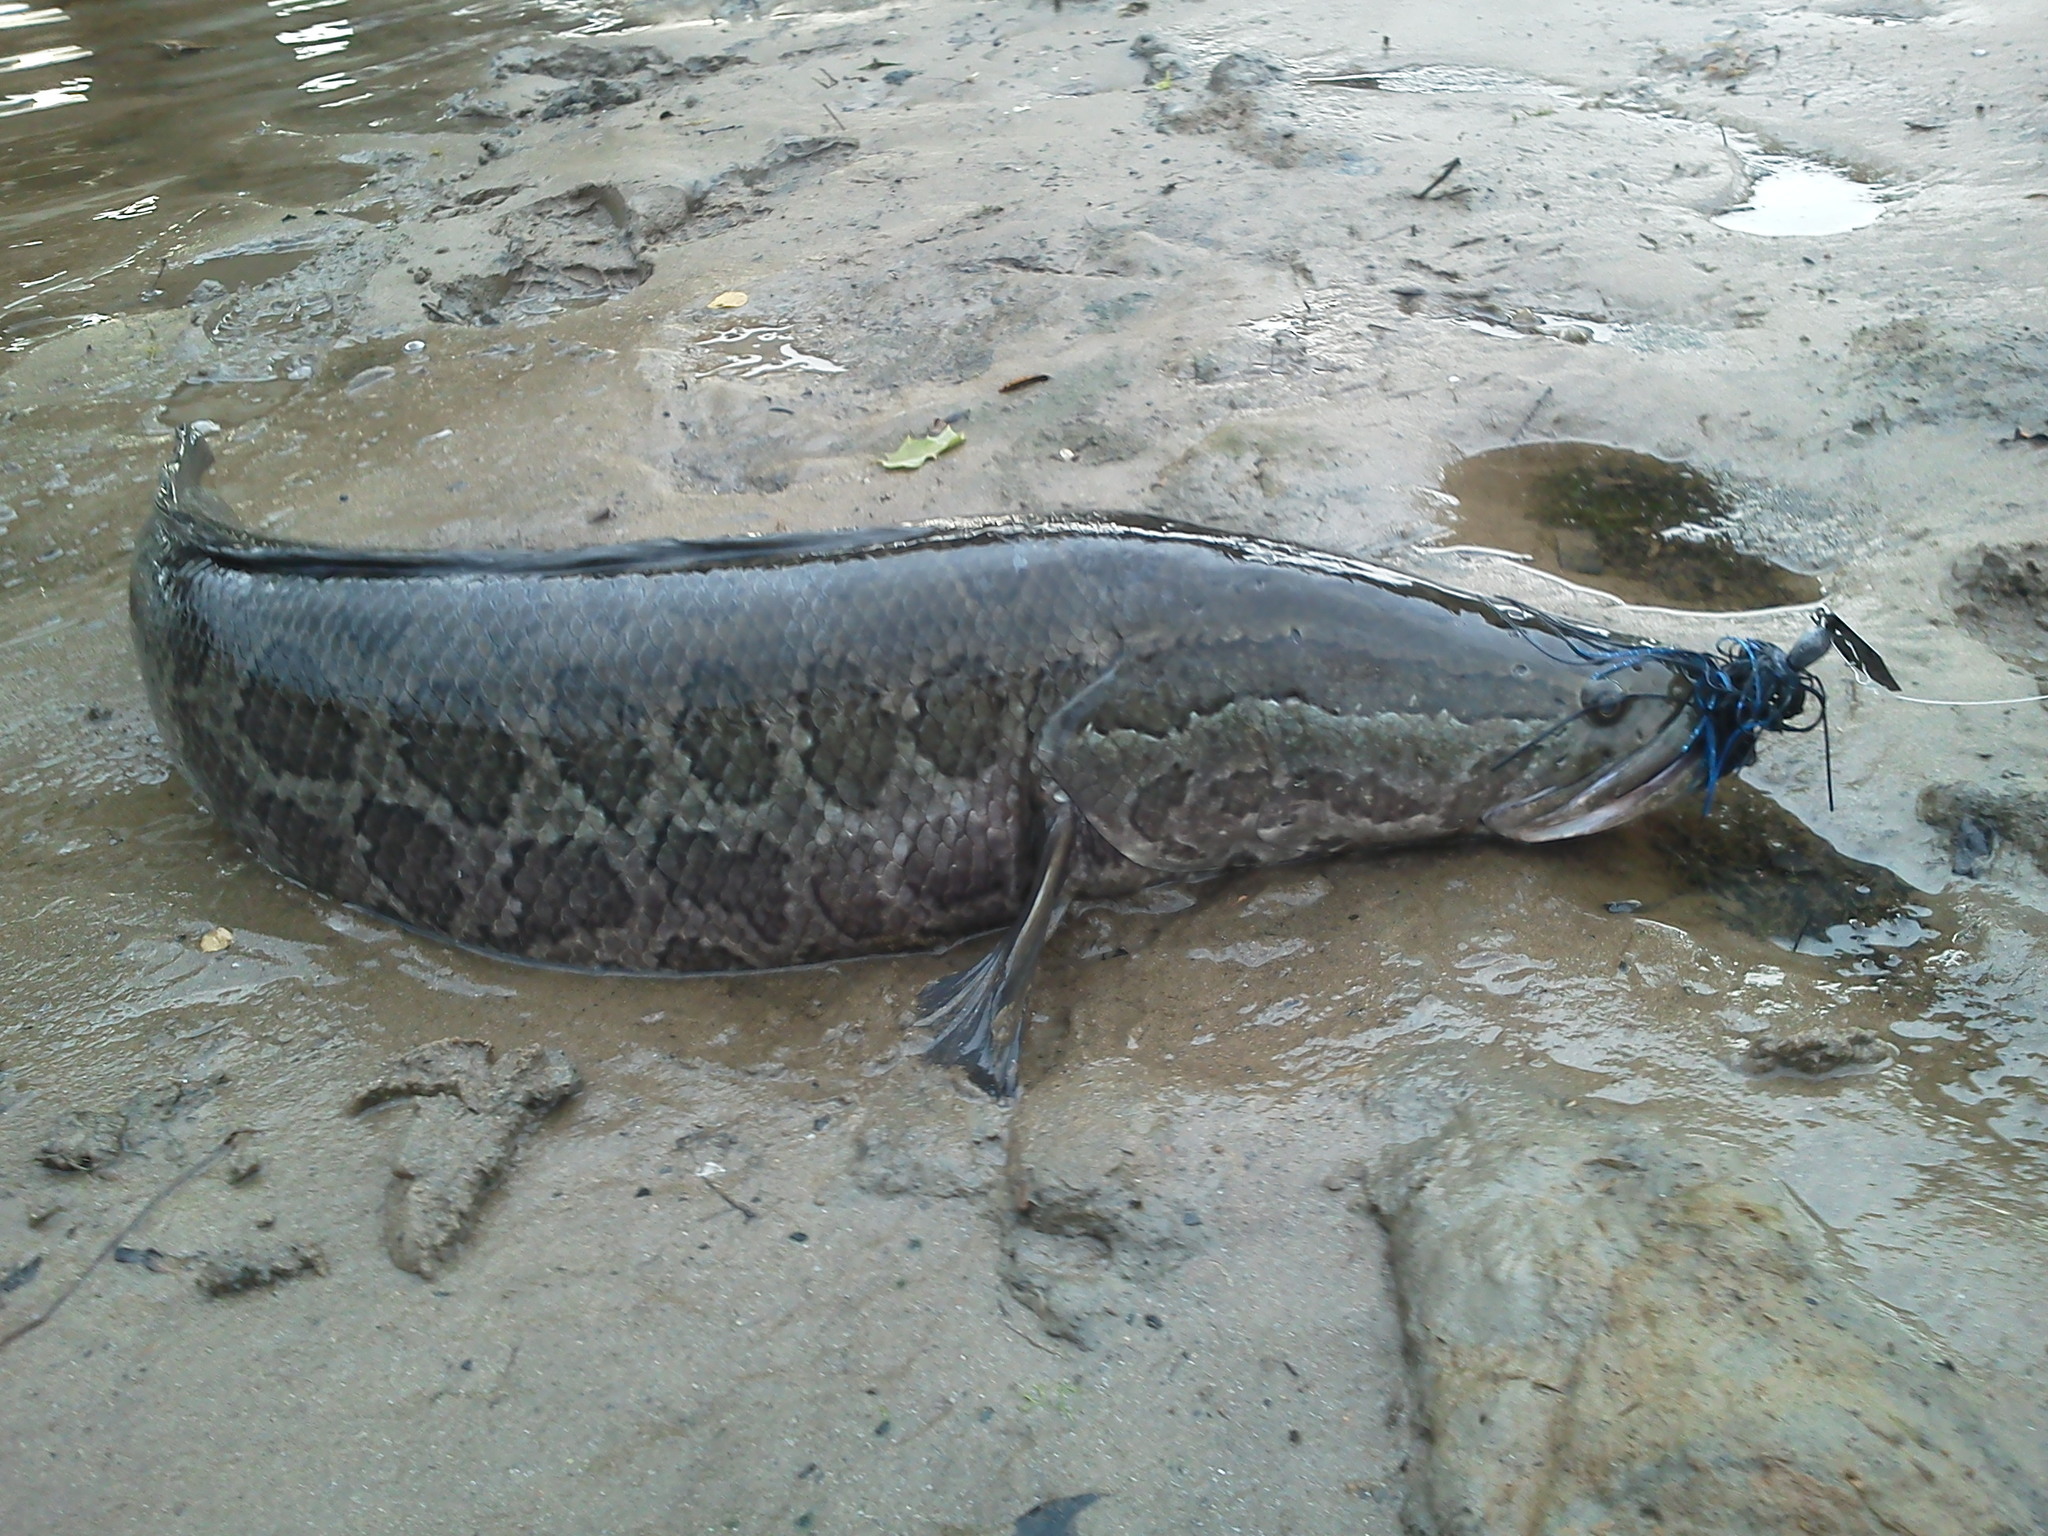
750,754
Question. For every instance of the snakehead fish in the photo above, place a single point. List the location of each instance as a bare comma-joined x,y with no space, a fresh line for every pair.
751,753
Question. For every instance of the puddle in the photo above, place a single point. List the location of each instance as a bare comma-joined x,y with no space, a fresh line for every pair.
1441,79
223,272
1520,324
226,404
1798,197
1642,528
755,351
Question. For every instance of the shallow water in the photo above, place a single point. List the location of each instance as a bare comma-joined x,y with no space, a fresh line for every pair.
123,130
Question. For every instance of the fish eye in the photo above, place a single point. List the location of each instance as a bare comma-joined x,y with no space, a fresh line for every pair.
1604,699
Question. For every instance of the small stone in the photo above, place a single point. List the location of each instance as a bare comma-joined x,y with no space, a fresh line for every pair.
84,1140
243,1163
1815,1053
1973,847
732,298
214,940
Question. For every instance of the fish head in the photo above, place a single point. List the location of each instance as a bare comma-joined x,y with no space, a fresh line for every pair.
1634,743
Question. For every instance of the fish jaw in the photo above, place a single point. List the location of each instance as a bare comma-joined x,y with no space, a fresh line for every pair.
1670,766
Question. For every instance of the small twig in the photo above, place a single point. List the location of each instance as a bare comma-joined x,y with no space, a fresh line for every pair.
1442,176
122,1236
1541,400
834,116
1004,1313
744,1209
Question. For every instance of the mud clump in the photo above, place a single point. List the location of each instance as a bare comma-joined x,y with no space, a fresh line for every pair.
596,241
2002,599
1617,1335
584,61
236,1270
1978,817
89,1140
470,1112
576,246
1239,100
83,1141
1814,1053
594,78
589,96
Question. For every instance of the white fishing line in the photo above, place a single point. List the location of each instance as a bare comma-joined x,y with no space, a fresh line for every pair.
1524,563
1907,698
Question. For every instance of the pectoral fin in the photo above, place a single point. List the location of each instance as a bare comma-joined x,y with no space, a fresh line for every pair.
980,1013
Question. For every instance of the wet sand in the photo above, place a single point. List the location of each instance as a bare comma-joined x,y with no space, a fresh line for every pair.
768,1270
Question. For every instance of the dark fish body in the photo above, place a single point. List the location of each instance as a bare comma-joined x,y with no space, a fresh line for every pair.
692,757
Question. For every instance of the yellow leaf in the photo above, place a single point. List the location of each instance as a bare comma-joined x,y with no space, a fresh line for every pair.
732,298
915,451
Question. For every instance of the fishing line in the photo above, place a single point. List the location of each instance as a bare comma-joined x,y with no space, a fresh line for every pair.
2026,698
1834,625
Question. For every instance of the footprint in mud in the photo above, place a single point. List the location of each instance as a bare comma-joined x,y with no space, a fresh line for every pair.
1243,99
1102,1222
2001,597
1645,529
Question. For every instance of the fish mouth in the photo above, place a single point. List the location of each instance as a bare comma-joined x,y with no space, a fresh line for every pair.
1671,765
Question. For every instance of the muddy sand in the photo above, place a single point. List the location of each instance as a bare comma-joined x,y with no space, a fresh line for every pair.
1691,1178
